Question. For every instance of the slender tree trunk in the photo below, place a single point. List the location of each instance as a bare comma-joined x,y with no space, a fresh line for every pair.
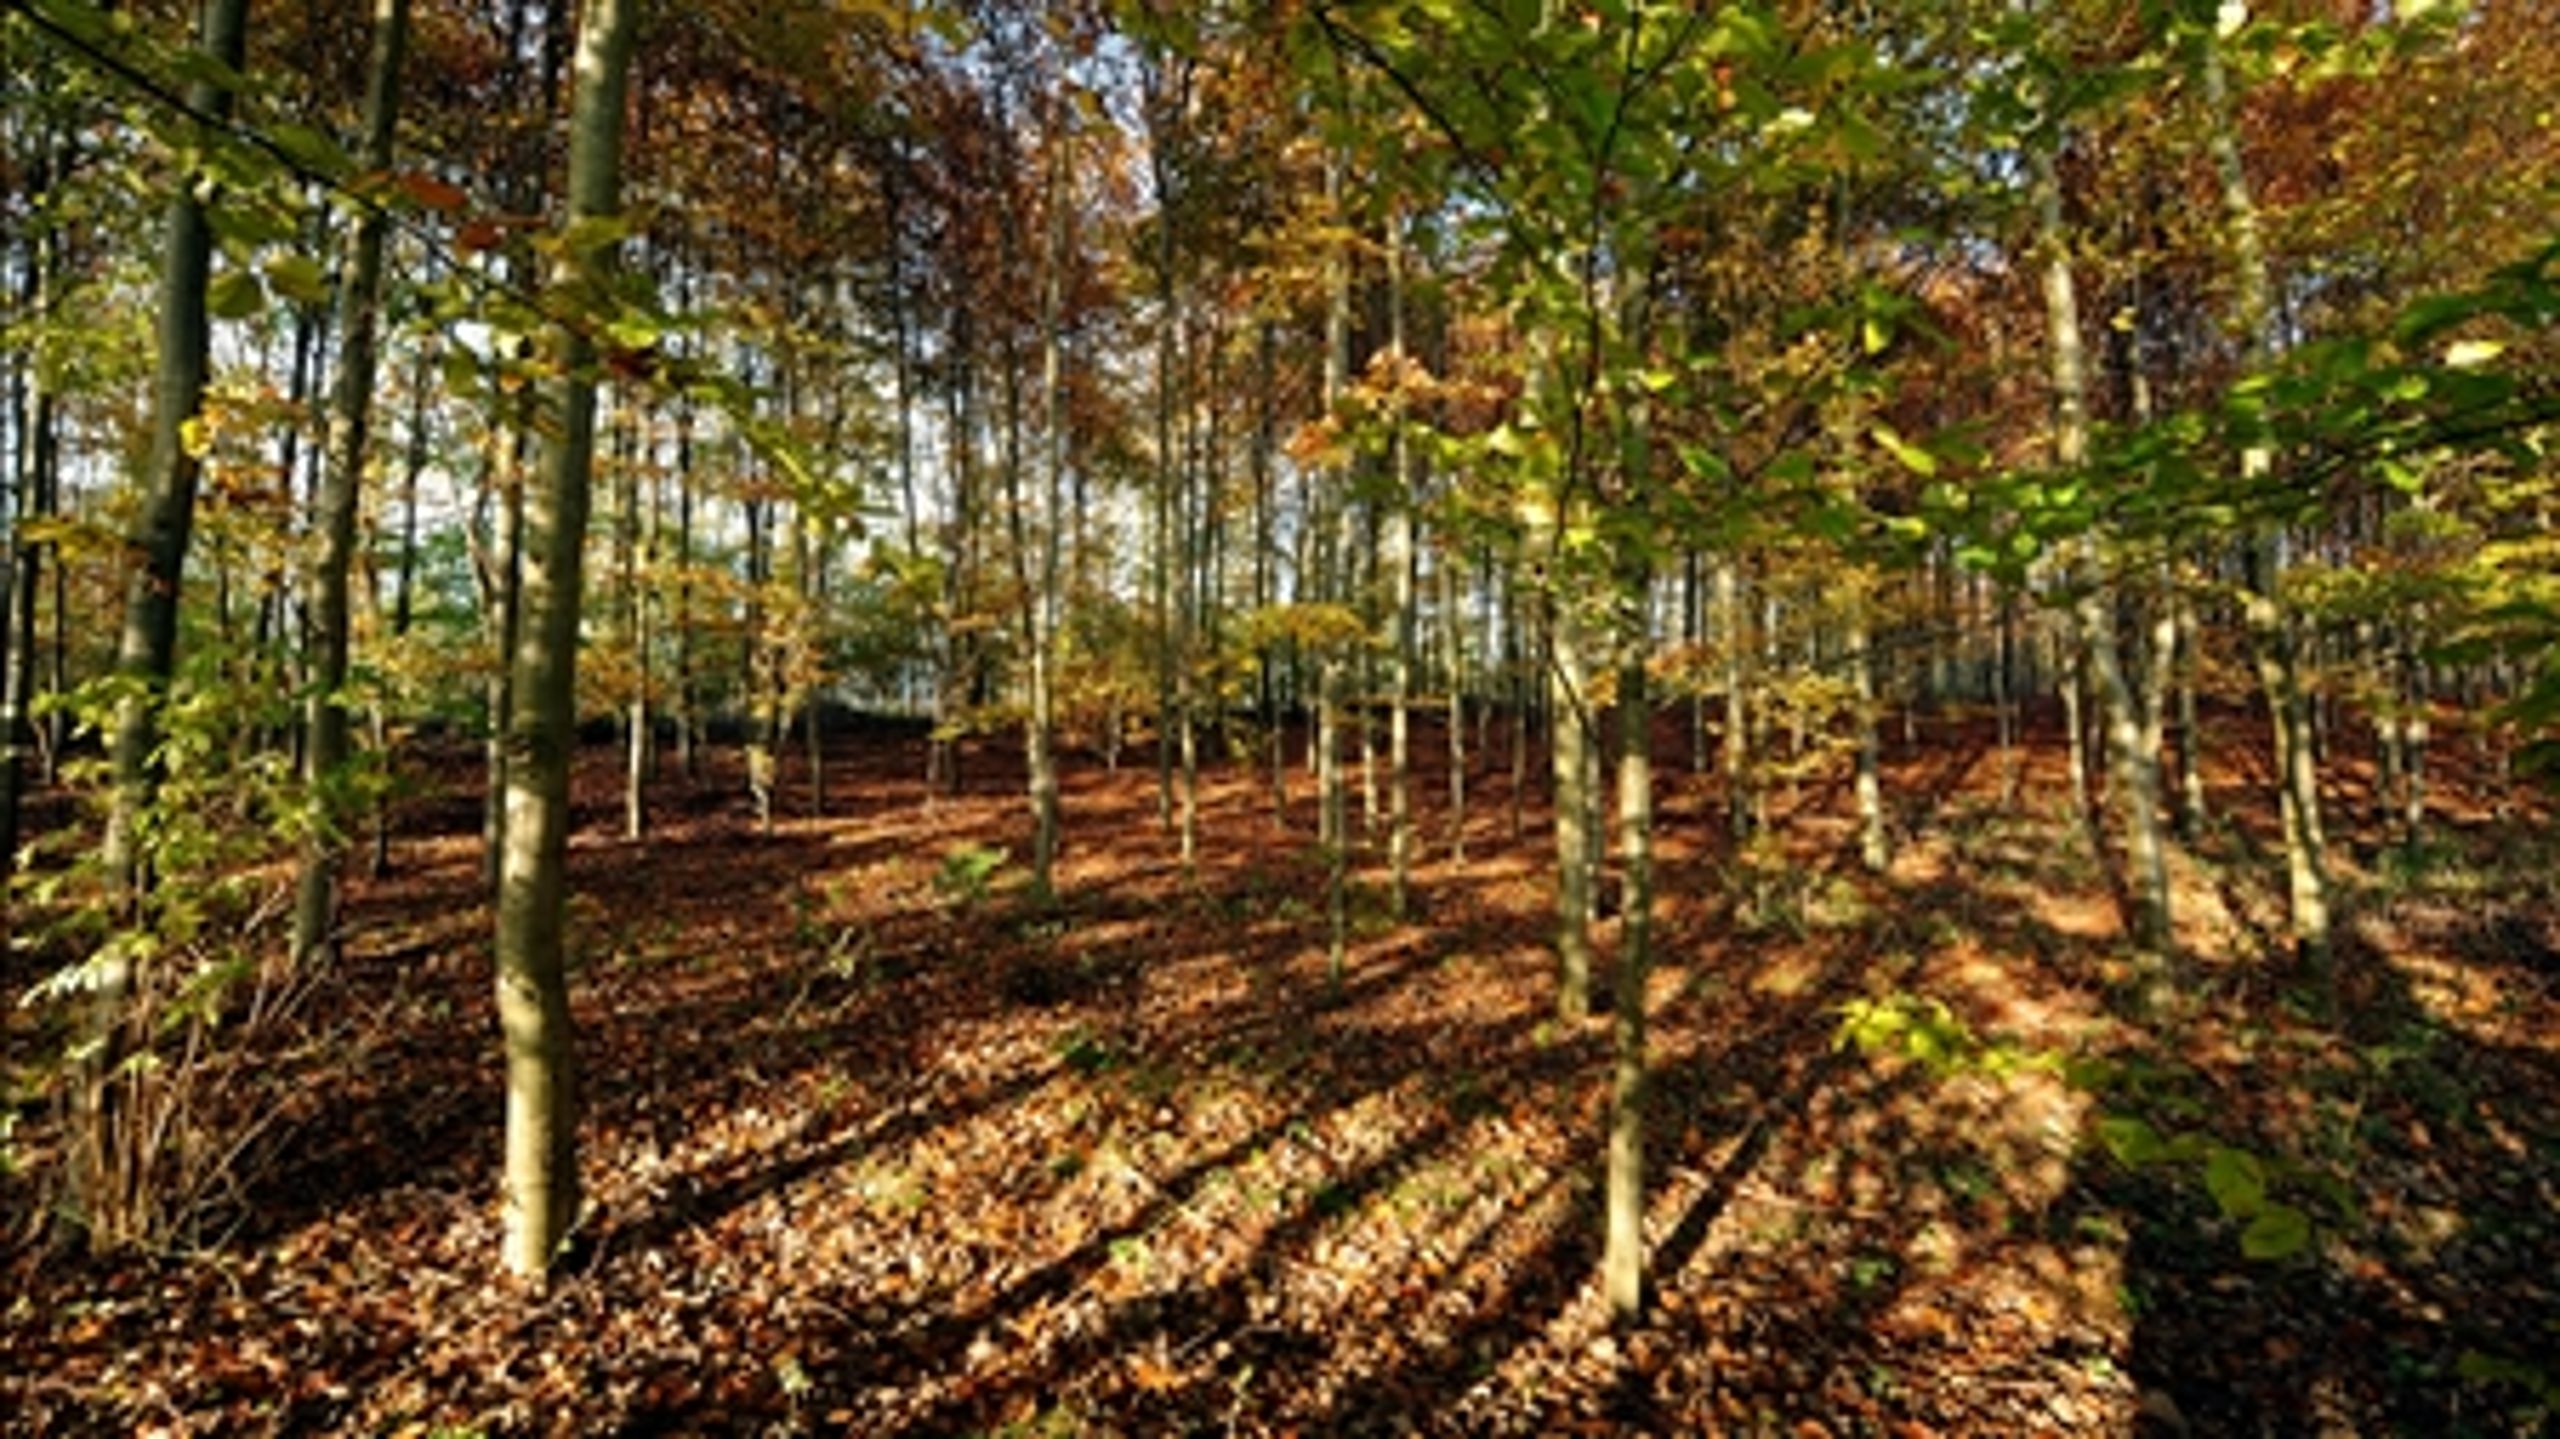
2004,704
38,460
1693,633
1398,558
1333,820
162,525
327,713
2274,640
639,731
2097,654
1040,592
1453,632
1570,749
2070,686
809,548
1875,849
146,653
1739,807
1512,681
1168,343
2160,680
2192,812
680,692
1188,511
541,1172
507,591
1622,1255
257,667
2413,739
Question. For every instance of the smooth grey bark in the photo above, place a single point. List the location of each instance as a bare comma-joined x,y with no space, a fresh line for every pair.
1040,591
2274,640
327,715
1622,1253
639,545
1397,558
2192,809
502,589
1453,631
541,1192
1333,823
1576,801
680,695
1736,749
1165,109
2135,769
1875,849
2413,699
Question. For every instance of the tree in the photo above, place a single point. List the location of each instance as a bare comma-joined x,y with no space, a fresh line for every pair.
541,1172
147,648
351,408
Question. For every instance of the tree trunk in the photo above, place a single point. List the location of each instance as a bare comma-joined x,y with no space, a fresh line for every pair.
505,591
2192,811
1454,636
1040,589
2275,644
541,1175
1396,555
1622,1255
146,653
1727,586
639,734
1576,805
38,428
680,685
2097,654
2413,739
350,423
1875,850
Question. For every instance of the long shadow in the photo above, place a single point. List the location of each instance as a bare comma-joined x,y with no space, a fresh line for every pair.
416,1108
922,1338
2422,1143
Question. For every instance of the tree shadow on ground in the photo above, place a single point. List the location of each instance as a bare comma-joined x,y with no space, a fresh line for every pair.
2414,1127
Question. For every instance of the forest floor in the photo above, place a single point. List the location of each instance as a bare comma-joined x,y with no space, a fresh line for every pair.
874,1144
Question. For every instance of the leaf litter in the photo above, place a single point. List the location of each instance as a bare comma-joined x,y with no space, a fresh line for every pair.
868,1152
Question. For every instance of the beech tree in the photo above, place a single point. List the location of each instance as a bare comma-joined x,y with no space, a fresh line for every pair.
350,424
541,1179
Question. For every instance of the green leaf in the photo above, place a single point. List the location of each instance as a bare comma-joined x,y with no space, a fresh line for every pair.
2279,1232
1915,459
310,149
595,232
235,295
2132,1142
248,225
298,278
2237,1182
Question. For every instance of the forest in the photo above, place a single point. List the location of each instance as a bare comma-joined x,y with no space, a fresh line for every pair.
1048,717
